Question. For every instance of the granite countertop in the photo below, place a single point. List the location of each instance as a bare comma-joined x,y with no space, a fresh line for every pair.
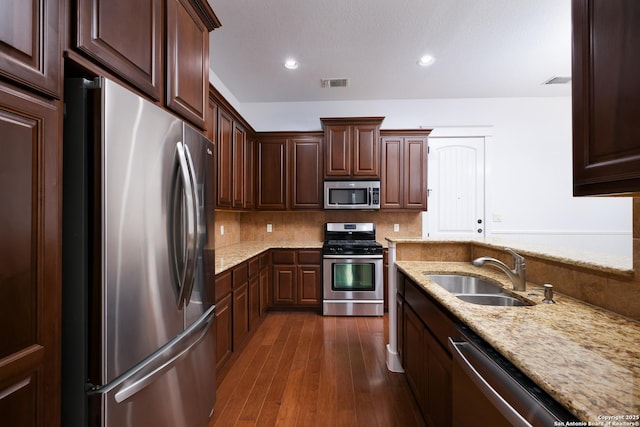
587,358
229,256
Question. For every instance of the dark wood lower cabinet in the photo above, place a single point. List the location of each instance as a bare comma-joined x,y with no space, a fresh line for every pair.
284,285
254,301
423,331
240,315
224,331
297,278
30,259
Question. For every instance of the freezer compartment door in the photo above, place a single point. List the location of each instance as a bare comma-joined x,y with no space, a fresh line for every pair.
173,388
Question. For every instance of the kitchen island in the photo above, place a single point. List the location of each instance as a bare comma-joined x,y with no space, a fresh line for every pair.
585,357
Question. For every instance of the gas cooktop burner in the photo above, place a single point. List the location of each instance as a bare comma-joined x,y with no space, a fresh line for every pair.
351,239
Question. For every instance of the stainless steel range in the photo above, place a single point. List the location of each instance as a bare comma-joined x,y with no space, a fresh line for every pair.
352,270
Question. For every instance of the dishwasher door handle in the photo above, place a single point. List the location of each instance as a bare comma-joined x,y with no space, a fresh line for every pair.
458,350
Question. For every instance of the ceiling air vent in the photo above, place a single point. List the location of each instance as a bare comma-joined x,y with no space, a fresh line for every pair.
558,80
334,83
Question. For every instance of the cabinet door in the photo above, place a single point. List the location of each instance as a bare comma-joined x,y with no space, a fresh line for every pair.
30,49
606,96
225,160
264,290
188,62
306,173
309,285
391,185
239,165
30,295
126,37
337,151
415,366
438,383
224,331
272,174
250,174
400,328
284,285
366,151
415,173
240,315
254,301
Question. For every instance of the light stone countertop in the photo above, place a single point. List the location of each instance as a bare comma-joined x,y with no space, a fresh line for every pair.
587,358
229,256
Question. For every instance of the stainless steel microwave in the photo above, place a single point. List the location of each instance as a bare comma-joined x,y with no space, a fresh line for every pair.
352,194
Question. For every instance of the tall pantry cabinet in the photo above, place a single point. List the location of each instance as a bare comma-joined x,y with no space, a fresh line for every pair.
30,221
152,46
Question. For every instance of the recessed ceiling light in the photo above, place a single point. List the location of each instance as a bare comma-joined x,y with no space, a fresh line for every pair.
290,64
426,60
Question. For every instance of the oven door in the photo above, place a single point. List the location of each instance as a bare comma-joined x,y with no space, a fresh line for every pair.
352,277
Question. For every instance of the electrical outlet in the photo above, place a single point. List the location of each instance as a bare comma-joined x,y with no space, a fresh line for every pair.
222,230
269,228
396,227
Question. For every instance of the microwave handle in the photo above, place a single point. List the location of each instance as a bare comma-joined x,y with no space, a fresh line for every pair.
370,201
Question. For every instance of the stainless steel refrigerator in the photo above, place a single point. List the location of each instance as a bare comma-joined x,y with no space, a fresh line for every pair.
138,263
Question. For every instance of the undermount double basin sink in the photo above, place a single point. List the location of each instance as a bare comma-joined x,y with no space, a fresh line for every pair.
475,290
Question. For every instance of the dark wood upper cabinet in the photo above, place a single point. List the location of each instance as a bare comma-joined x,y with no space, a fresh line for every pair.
188,27
239,165
225,160
403,182
30,259
606,96
271,163
306,172
352,147
127,38
30,44
289,170
249,172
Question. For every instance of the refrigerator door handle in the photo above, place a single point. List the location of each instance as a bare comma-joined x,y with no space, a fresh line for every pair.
147,371
190,276
185,278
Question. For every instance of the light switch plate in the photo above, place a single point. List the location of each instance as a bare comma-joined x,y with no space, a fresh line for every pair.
222,230
396,227
269,228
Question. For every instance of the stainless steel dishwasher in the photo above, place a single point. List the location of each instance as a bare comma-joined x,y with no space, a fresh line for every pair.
487,388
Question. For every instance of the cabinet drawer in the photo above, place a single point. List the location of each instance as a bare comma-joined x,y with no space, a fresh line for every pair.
284,257
240,275
223,286
309,257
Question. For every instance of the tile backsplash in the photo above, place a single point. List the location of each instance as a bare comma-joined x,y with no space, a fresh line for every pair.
308,225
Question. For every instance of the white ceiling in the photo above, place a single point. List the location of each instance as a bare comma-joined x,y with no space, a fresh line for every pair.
483,48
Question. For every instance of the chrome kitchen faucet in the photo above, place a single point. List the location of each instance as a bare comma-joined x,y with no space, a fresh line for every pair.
517,275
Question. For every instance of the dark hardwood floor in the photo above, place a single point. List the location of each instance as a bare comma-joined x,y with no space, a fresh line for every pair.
302,369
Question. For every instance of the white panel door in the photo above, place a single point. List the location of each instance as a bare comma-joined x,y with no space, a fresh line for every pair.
456,187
